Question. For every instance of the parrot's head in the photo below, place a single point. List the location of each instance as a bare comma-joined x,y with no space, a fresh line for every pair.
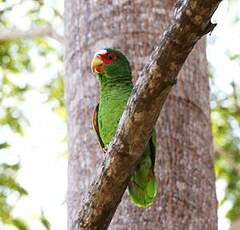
111,64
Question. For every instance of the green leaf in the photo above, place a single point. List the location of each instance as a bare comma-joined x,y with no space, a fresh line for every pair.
45,221
4,145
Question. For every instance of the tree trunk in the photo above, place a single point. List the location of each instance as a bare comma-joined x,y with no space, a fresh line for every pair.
186,195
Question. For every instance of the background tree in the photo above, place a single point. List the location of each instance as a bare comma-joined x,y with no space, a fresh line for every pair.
185,167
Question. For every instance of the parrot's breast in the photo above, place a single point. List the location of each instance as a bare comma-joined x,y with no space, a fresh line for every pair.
111,106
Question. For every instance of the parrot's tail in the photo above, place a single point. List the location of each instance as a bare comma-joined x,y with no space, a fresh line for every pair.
142,187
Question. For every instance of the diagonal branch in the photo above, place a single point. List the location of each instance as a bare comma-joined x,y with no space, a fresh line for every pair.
191,21
11,35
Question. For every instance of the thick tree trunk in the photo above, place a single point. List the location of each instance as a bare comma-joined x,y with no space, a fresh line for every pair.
186,197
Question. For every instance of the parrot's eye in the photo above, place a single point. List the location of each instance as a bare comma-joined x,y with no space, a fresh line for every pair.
108,58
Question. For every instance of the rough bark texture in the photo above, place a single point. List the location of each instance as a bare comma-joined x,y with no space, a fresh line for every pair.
235,225
184,164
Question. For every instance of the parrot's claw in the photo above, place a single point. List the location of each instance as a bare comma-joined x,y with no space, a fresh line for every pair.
105,149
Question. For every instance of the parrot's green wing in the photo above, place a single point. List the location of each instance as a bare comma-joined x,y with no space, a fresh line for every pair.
95,126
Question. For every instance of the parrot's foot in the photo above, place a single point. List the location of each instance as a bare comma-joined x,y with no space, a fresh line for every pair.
105,149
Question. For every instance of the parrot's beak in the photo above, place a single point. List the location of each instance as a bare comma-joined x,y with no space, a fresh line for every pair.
97,65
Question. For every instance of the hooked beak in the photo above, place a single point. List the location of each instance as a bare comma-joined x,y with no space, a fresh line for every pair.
97,65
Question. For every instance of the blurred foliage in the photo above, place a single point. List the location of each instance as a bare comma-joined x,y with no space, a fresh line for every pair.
226,129
16,58
55,91
9,186
13,59
225,107
45,221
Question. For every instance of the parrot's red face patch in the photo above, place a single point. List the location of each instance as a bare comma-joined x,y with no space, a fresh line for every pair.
108,57
102,58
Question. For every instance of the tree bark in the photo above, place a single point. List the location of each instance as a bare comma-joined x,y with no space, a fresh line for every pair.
184,166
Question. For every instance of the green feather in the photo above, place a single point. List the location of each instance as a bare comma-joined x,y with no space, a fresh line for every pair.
115,85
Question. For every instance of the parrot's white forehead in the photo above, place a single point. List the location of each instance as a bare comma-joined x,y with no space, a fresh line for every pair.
99,52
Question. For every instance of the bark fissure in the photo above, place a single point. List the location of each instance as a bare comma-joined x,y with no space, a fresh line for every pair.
190,23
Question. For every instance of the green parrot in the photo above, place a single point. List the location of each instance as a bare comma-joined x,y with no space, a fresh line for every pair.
115,85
